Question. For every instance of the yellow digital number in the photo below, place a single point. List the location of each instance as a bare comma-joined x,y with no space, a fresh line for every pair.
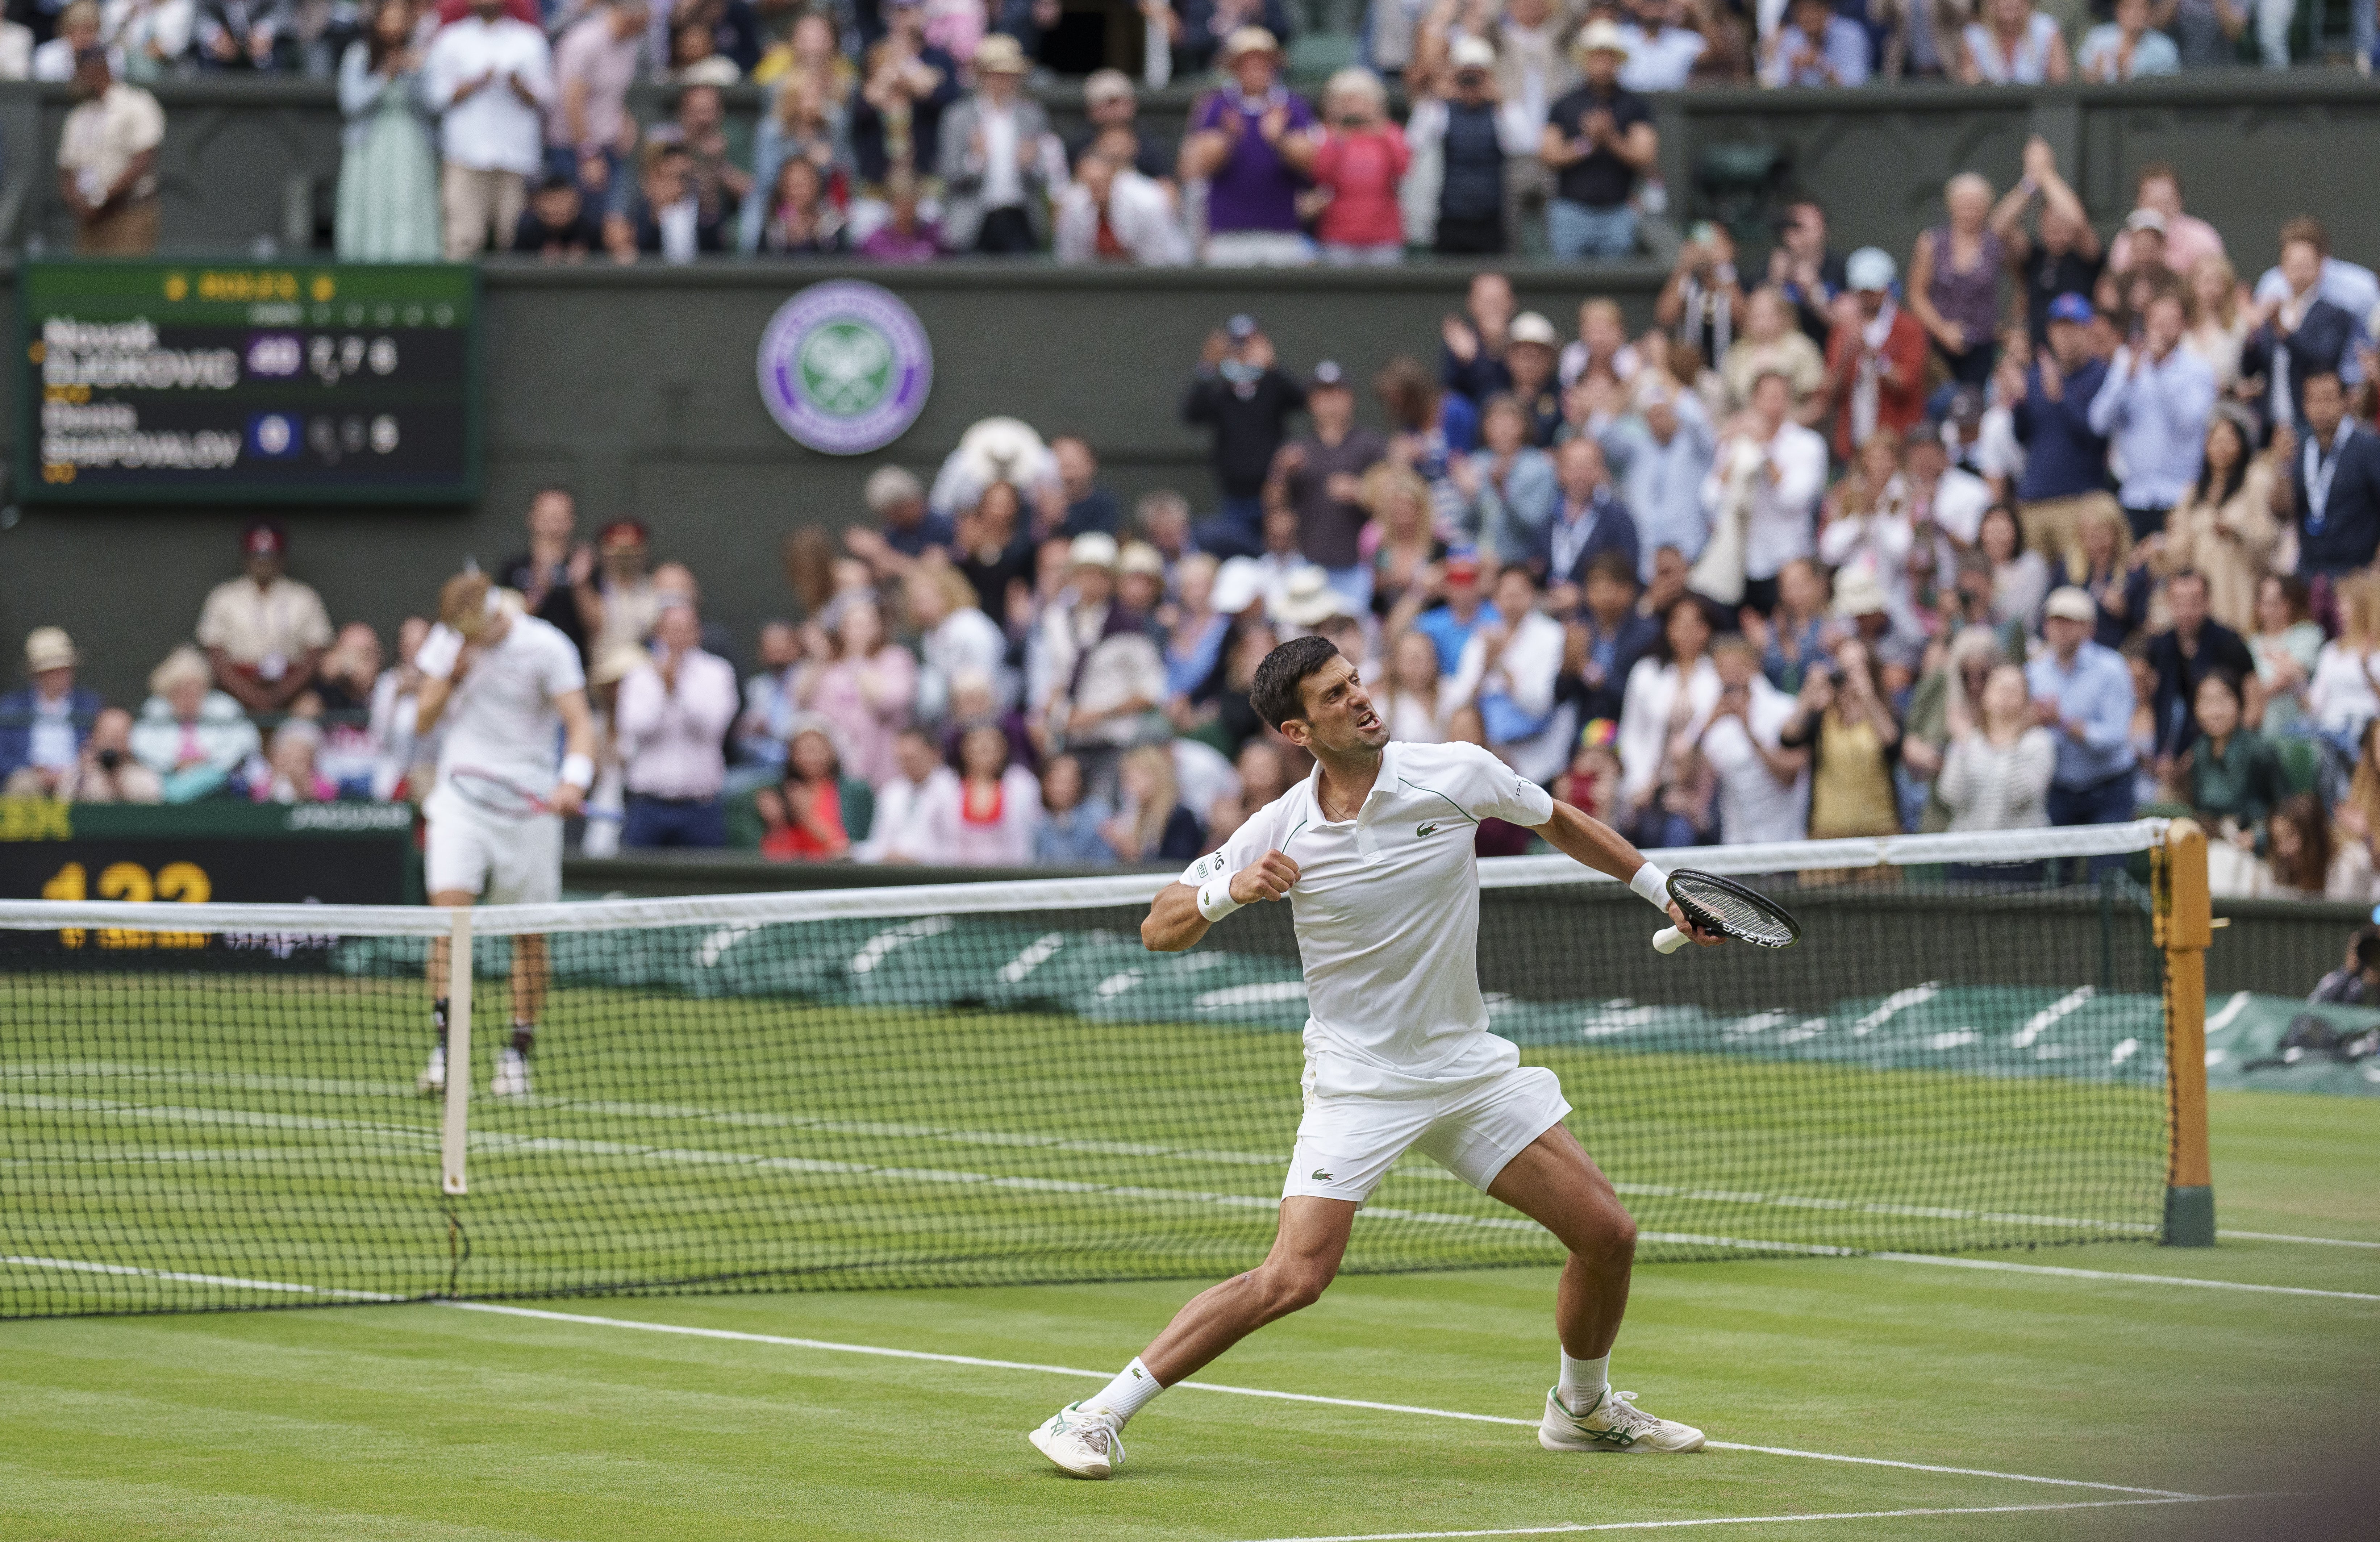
187,882
68,884
128,882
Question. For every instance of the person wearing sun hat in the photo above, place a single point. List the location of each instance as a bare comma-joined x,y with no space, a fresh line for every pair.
1237,132
43,725
1599,139
996,148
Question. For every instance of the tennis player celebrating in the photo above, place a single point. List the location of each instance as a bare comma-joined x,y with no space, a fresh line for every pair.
507,685
1374,853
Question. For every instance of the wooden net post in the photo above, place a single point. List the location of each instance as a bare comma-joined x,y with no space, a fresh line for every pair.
2185,926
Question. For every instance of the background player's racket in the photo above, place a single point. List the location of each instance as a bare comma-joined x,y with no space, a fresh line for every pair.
495,795
1726,907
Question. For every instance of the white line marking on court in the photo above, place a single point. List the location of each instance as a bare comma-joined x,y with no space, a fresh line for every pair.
1573,1527
78,1266
1997,1266
734,1335
2283,1236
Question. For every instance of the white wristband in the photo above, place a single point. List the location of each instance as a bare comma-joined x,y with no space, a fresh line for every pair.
1215,900
439,653
1652,885
578,770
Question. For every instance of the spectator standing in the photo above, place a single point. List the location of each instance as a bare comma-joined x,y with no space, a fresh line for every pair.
1471,134
1954,281
863,683
105,771
1235,147
1589,520
1240,393
1772,344
671,724
1662,53
388,162
2082,692
1848,726
2066,459
1876,359
1321,476
1701,303
2021,578
2115,577
1762,787
2288,643
556,577
2013,44
264,631
1533,70
2153,410
1472,361
589,132
2218,321
2065,258
190,735
896,115
2196,645
2334,484
1670,692
1996,772
1598,141
2343,697
1606,637
492,76
1359,157
2129,47
1529,364
1510,481
1113,108
107,161
997,158
1069,835
995,551
79,29
1399,544
1805,269
1508,669
2299,331
43,724
954,637
1762,490
1819,46
2206,33
1462,610
1105,674
1112,212
2349,286
629,607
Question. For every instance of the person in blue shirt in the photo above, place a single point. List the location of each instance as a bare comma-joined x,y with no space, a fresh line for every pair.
1821,47
2154,408
2082,692
1450,624
2066,458
1070,834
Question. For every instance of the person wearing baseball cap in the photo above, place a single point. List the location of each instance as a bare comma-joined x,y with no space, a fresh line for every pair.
1878,362
1463,607
1461,123
264,630
42,724
1235,144
1240,393
1598,141
2082,694
2065,475
1321,477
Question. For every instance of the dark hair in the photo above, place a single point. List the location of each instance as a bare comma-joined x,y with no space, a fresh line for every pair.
2191,573
1613,563
2238,472
2295,595
1688,600
2016,523
2366,942
2331,375
1278,692
2306,228
2311,868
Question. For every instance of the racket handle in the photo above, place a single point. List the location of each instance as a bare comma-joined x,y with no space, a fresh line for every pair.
1669,939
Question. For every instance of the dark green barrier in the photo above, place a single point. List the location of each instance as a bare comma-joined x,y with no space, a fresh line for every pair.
229,853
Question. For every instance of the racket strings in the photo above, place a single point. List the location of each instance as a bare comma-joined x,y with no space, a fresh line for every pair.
1716,910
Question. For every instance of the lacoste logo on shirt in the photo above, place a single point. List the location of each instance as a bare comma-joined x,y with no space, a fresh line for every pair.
1425,830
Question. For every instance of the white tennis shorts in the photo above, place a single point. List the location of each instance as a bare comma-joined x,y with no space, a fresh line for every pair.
1346,1141
503,861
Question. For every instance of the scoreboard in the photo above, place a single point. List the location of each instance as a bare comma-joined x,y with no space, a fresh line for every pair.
173,383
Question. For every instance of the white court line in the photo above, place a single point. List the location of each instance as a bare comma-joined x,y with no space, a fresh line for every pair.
831,1346
2283,1236
1574,1526
1995,1265
78,1266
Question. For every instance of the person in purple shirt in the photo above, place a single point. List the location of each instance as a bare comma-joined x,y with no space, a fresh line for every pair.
1235,146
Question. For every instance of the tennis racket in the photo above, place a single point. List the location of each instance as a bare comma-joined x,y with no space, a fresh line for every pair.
496,795
1726,907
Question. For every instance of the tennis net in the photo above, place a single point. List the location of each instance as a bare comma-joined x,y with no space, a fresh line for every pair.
215,1106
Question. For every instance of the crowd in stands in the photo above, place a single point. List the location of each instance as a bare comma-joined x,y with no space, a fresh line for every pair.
2028,529
898,130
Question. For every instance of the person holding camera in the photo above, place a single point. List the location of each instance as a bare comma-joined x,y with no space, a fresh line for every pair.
1701,304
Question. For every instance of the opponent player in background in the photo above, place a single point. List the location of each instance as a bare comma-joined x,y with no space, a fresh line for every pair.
1374,853
509,687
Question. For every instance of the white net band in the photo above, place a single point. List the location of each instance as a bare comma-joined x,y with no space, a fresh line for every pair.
1011,896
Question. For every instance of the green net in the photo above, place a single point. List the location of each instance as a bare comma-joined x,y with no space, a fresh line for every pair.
829,1091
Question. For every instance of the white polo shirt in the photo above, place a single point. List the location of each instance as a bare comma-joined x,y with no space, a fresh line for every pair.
1387,907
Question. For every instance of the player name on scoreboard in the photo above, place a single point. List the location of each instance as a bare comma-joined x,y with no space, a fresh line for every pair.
170,383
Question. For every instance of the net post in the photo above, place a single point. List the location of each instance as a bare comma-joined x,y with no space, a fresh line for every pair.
2185,926
456,1130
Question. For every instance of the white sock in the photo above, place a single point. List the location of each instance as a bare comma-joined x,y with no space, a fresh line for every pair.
1584,1382
1123,1396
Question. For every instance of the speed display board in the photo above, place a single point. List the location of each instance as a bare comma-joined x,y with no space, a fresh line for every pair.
159,382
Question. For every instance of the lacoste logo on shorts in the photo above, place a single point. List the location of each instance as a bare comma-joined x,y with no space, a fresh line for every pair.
1425,830
1320,1176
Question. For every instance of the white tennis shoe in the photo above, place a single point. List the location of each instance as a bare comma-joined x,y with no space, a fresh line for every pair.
511,1079
433,1076
1085,1443
1614,1423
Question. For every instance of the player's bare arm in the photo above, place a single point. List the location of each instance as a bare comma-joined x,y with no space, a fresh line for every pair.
1176,922
1590,842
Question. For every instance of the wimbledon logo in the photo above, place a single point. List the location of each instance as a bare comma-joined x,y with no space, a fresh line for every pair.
844,367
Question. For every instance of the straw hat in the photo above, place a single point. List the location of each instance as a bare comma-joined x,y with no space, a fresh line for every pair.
1249,40
1600,37
998,54
49,648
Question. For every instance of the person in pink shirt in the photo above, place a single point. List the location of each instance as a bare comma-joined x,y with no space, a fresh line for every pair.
1359,157
2187,238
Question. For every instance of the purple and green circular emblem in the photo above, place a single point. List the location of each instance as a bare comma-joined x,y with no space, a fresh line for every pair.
845,367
